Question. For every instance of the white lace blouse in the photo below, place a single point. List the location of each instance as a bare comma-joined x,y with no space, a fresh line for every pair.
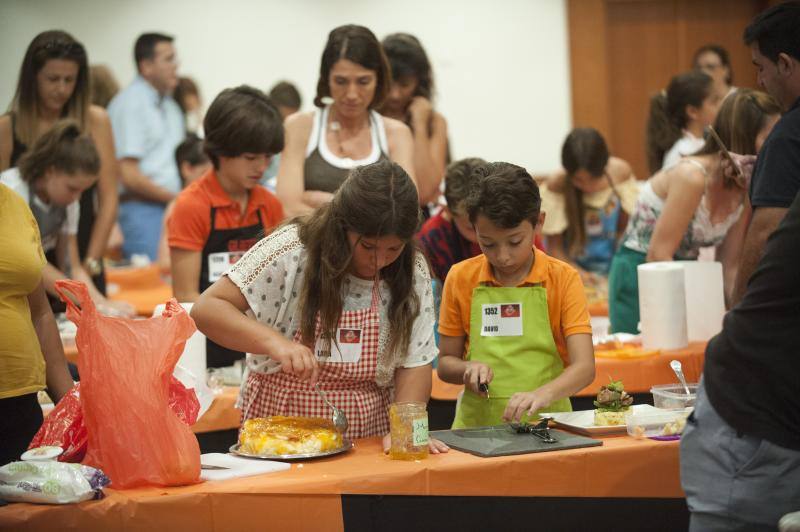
271,275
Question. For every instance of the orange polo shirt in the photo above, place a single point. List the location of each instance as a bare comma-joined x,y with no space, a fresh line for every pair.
189,225
566,300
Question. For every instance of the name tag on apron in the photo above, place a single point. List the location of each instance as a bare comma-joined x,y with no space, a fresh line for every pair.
347,350
219,263
502,319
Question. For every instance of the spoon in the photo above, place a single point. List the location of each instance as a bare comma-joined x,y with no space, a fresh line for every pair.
339,418
676,367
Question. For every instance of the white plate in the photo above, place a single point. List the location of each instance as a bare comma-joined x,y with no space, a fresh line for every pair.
582,421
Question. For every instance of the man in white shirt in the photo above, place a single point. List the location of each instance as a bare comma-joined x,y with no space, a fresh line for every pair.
148,125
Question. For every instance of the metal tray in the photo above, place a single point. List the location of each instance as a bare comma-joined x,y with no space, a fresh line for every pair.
346,446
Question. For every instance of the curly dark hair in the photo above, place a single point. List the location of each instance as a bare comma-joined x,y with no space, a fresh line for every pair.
504,193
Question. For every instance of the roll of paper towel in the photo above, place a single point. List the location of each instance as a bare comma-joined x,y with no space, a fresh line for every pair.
662,305
705,299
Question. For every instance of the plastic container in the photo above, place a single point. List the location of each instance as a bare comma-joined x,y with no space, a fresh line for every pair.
664,424
671,396
408,423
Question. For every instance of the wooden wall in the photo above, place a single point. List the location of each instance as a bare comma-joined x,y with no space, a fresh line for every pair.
623,51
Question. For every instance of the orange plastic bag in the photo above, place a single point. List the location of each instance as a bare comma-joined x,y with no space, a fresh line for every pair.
126,368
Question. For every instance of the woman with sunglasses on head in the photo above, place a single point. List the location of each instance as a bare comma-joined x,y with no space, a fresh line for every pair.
54,84
345,131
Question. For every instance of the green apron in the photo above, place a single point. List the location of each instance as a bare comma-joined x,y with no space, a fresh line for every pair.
510,332
623,290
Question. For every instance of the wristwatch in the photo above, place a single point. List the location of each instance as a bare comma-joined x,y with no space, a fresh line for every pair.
93,266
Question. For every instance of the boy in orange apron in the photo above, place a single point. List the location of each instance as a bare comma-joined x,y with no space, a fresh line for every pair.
512,318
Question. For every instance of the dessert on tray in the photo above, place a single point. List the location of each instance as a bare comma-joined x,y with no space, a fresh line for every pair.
613,404
288,435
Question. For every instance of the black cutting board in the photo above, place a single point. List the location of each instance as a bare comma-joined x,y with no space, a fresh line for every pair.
500,440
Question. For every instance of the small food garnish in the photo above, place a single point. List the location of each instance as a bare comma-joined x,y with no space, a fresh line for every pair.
613,398
612,404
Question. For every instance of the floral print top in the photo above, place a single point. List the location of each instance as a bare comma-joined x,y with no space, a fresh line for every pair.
700,233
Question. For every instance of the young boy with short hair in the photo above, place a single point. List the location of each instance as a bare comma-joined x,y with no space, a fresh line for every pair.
448,237
220,216
192,163
511,317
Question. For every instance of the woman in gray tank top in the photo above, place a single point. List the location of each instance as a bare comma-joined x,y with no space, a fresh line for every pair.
344,131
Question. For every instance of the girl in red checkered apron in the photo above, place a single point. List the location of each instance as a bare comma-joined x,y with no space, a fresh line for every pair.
340,298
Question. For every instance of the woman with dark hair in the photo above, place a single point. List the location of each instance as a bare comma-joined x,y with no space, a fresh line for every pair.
587,202
353,265
345,131
713,59
678,118
54,84
690,205
410,101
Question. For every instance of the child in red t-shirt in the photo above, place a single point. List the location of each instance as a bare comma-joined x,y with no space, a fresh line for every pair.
448,236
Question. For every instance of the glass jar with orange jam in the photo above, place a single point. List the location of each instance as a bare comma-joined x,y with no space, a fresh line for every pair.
408,424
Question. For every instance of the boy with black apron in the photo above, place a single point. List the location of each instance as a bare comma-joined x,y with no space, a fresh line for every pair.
220,216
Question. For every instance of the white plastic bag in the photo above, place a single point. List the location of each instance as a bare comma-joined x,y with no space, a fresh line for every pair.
50,482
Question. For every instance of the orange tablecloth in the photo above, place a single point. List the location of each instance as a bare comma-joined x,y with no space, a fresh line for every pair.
639,375
143,288
222,414
71,352
598,308
308,496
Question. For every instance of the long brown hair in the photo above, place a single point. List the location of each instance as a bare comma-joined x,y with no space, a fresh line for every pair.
64,148
407,58
375,200
49,45
584,148
740,119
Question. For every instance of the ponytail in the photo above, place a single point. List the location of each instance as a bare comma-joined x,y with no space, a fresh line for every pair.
63,148
668,116
662,133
